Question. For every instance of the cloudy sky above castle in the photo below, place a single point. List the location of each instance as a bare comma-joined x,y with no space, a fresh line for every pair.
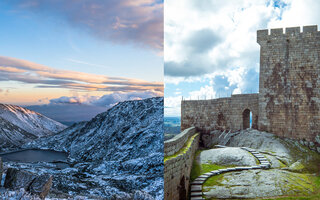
80,56
210,46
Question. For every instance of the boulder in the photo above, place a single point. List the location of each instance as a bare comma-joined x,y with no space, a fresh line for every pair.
227,156
41,185
16,179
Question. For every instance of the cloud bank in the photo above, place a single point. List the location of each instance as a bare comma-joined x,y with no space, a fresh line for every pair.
83,108
13,69
122,21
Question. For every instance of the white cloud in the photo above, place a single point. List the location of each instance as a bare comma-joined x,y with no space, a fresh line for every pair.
172,106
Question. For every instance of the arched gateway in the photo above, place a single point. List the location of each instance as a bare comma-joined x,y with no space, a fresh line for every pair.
246,119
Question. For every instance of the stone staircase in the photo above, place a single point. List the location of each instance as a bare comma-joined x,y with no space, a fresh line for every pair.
196,185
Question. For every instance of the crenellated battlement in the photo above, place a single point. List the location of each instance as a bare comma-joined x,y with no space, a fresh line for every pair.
280,33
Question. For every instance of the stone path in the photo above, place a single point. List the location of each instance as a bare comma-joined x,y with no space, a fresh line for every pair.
196,185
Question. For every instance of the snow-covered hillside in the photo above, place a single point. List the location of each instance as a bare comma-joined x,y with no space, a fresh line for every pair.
19,125
30,121
124,144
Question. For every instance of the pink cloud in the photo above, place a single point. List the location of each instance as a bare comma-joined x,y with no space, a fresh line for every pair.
46,77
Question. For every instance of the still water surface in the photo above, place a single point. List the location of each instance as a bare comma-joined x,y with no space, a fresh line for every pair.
35,155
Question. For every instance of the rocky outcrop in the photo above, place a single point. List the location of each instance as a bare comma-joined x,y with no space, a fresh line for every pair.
16,179
39,185
227,156
259,183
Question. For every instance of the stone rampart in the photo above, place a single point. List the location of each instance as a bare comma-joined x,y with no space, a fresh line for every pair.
231,113
177,170
173,145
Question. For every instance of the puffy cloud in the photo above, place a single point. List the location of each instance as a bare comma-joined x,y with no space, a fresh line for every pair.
46,77
107,100
139,21
74,100
83,108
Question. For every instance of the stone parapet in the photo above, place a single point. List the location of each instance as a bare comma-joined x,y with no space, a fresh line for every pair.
173,145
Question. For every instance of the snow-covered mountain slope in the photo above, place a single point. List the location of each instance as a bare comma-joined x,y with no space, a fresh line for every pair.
125,141
30,121
11,136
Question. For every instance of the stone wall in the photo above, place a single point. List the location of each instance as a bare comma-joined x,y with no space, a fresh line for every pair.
289,95
222,114
177,171
173,145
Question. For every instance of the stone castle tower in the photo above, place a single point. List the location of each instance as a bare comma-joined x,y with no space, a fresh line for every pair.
288,103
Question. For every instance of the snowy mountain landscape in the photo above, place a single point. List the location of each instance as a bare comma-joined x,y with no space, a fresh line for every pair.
19,125
118,154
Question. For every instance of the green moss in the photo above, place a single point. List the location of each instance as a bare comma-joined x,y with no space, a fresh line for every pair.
282,164
213,180
210,167
196,168
317,182
183,150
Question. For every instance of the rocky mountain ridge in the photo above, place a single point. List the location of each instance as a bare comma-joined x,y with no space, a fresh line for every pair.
20,125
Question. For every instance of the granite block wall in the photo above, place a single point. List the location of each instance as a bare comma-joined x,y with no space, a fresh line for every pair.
289,94
220,114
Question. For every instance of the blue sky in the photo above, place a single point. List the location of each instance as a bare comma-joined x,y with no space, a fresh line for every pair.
80,51
211,49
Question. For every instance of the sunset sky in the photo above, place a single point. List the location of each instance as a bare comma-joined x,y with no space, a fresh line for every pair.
84,55
211,49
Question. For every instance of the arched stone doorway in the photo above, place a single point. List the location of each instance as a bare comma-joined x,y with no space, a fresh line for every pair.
246,115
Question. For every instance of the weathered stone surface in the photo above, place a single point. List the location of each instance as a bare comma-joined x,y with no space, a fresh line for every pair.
257,183
16,179
41,185
227,156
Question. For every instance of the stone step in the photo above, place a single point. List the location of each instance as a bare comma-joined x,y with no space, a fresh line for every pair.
196,198
256,167
223,170
201,179
196,188
215,172
231,169
196,194
197,182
